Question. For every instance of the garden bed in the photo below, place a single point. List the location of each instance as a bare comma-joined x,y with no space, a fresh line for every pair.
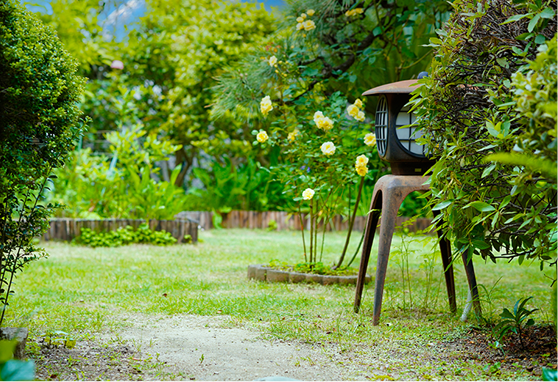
66,229
272,275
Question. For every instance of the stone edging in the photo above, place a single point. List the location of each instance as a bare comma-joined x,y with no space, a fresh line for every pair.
263,273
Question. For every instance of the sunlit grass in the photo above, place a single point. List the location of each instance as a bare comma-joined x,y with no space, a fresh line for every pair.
83,291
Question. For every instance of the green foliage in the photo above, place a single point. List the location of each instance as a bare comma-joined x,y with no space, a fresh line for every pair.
245,186
12,369
39,121
58,338
514,321
124,236
125,184
492,90
321,58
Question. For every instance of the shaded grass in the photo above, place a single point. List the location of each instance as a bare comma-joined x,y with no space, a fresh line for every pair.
83,290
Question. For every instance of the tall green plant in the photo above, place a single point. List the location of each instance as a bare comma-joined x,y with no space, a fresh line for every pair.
39,121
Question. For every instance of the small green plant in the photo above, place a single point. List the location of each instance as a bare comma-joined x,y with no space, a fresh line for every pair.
272,225
188,239
58,338
124,236
515,321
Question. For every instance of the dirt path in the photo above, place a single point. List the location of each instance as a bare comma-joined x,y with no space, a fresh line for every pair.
200,348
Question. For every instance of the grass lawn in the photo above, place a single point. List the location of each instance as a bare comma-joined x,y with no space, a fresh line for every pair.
80,290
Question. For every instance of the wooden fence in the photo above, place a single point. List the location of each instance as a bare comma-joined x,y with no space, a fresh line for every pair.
67,229
285,221
188,223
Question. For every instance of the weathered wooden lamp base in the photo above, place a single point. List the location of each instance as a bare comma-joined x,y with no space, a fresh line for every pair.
389,193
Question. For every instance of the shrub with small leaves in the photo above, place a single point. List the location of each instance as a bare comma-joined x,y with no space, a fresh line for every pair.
492,90
124,236
39,121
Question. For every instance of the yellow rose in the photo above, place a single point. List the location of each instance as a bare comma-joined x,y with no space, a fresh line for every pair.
370,139
299,26
303,15
265,105
361,170
292,135
362,160
353,111
360,116
272,61
317,115
262,136
309,25
359,10
308,194
350,12
299,20
310,12
328,148
324,123
358,103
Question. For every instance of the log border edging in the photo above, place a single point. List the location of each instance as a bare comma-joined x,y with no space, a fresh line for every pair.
267,274
66,229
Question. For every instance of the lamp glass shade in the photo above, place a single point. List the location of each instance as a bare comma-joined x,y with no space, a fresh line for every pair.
406,133
382,125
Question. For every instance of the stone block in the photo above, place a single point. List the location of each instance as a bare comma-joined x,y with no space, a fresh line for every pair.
277,276
296,277
312,278
252,271
261,273
329,280
347,280
19,334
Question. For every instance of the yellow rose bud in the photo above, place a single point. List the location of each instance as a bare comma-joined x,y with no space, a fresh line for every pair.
353,111
361,170
328,148
309,25
262,136
370,139
265,105
360,116
310,12
358,103
362,160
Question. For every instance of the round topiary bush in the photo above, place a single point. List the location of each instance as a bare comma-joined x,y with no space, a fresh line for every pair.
39,121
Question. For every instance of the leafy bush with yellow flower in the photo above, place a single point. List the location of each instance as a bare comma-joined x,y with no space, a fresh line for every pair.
302,91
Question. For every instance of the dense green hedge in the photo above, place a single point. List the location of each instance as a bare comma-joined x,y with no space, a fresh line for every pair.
39,120
492,90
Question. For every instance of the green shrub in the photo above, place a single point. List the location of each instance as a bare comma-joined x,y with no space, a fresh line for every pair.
124,236
39,121
489,93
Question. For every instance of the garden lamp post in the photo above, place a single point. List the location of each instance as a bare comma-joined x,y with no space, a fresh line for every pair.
396,143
